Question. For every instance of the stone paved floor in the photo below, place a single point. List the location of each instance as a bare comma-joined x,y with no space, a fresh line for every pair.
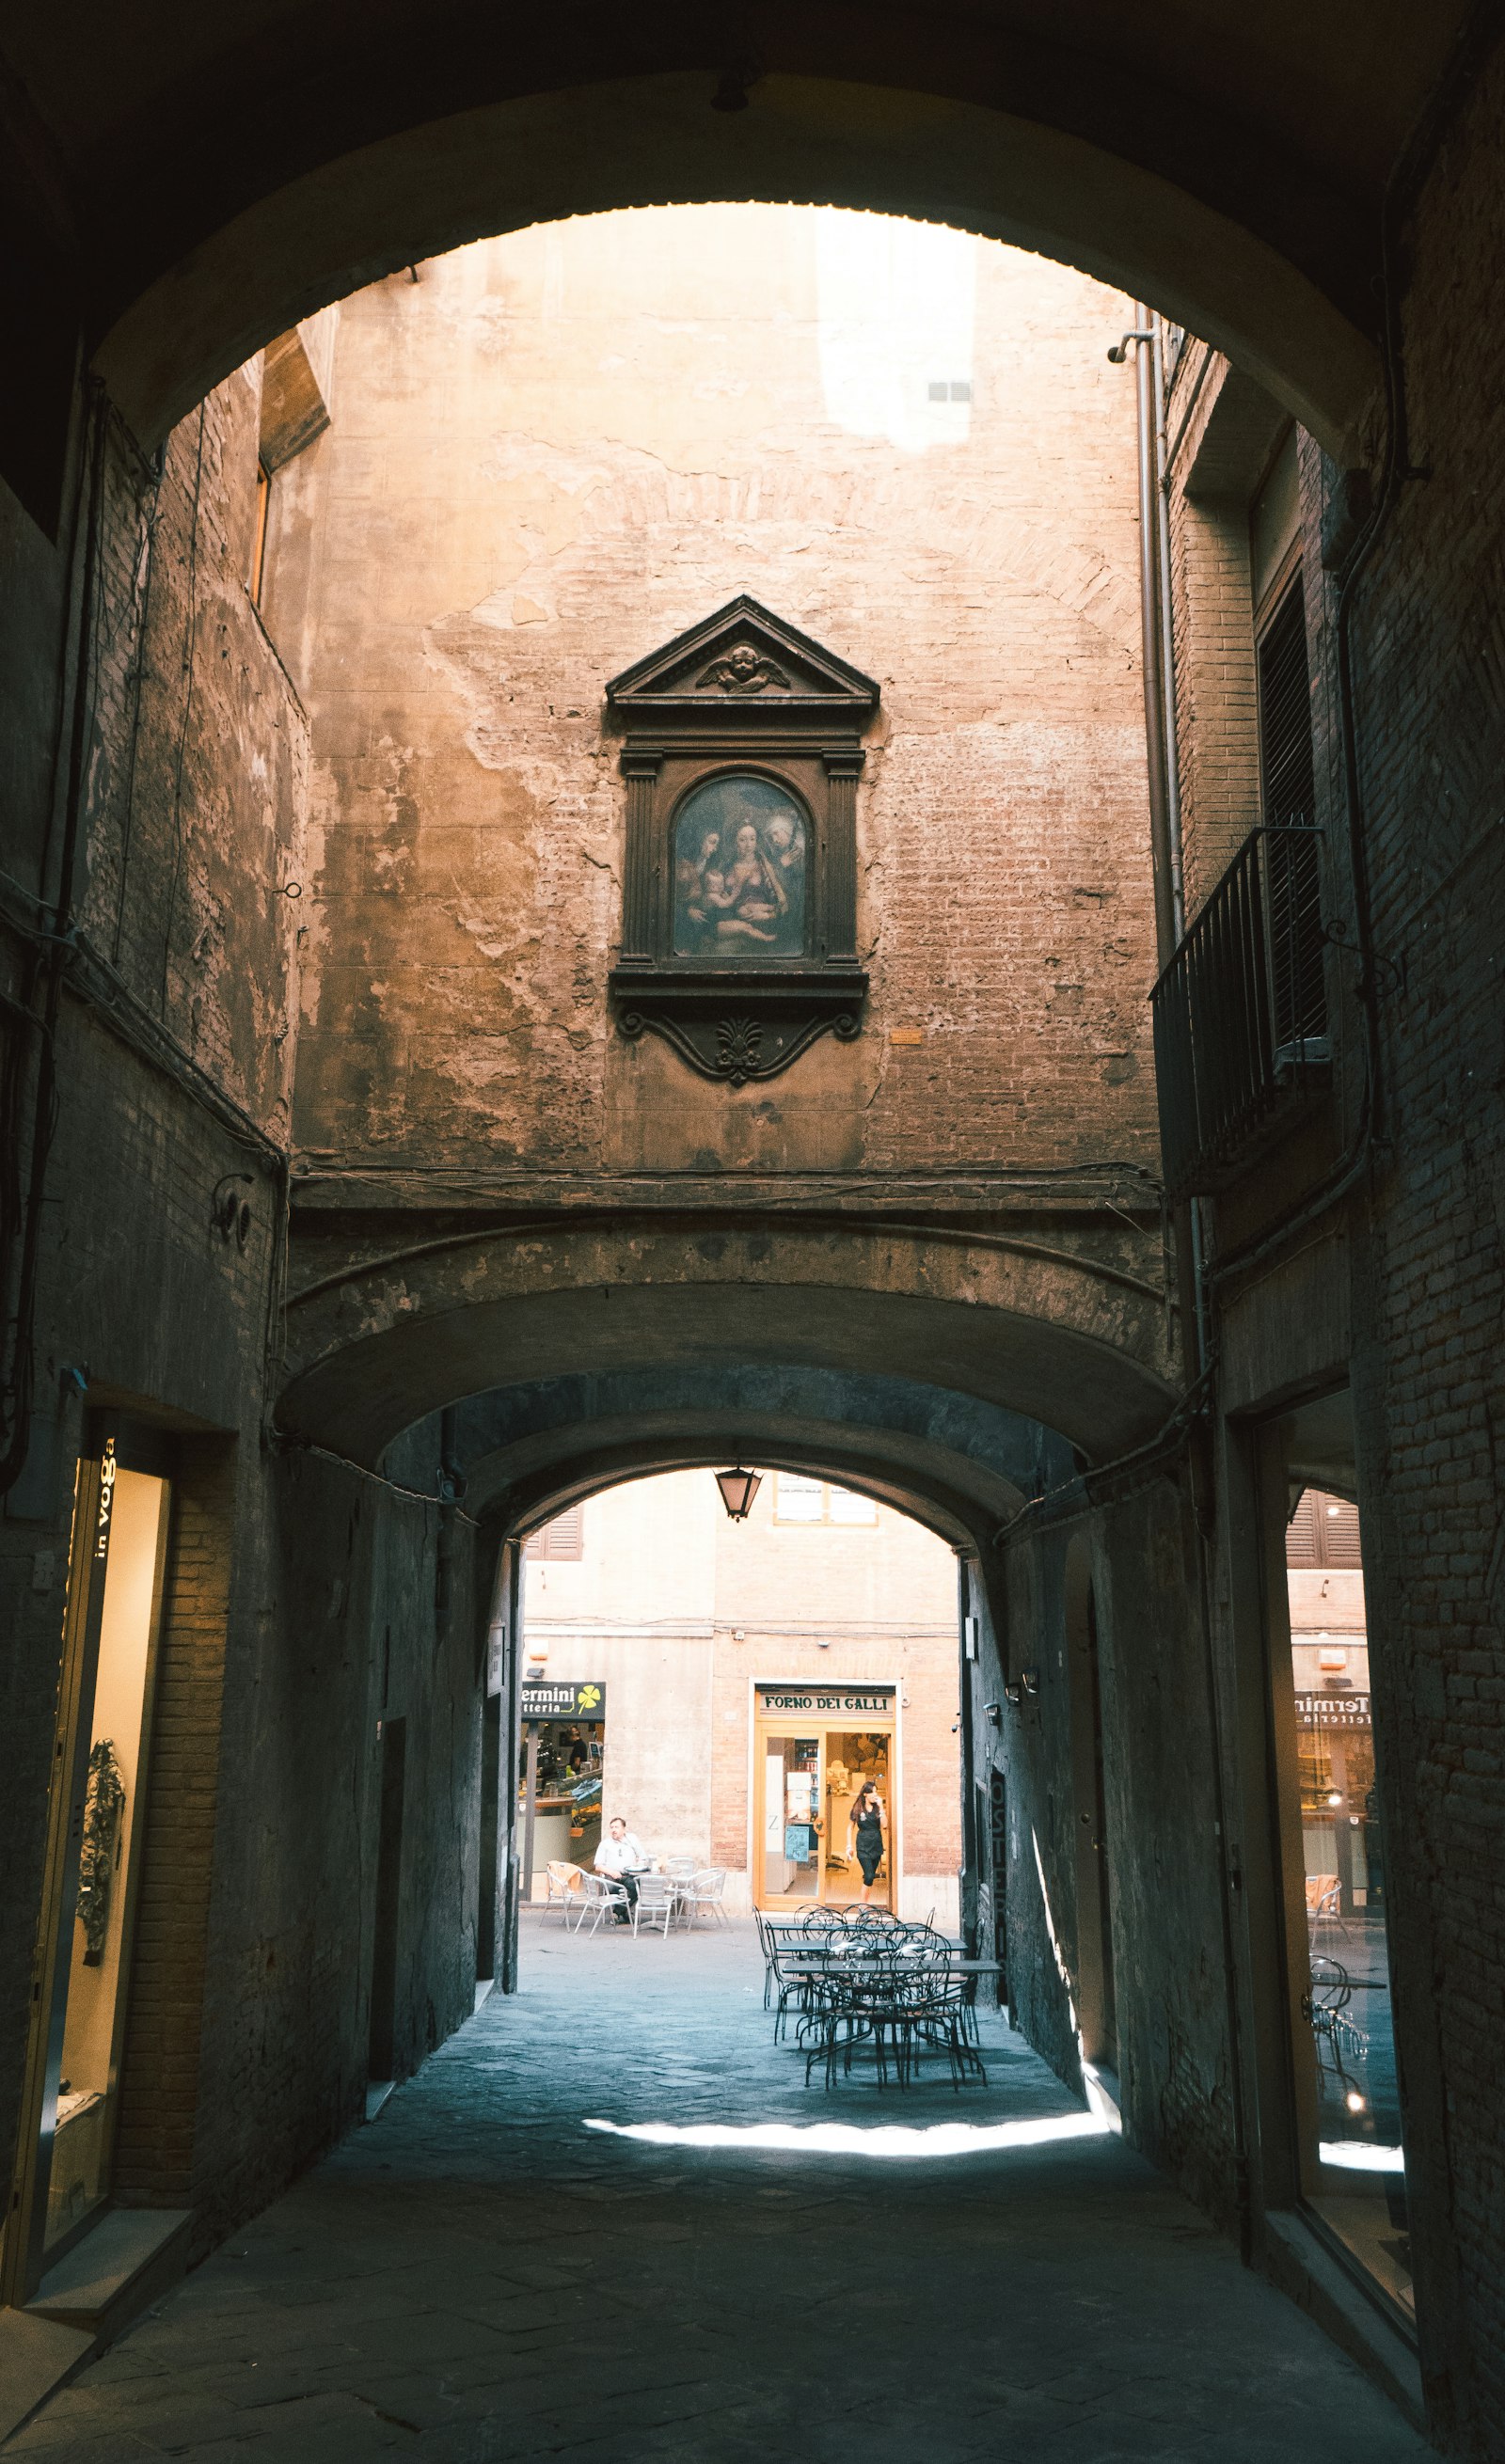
477,2276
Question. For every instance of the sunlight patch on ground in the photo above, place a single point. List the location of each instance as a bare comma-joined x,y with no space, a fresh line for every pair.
847,2139
1362,2156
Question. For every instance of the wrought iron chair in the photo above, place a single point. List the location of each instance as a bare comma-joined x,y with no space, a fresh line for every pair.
942,2016
791,1986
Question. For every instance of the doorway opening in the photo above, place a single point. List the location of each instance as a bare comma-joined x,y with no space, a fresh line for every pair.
826,1810
117,1567
1350,2152
381,2063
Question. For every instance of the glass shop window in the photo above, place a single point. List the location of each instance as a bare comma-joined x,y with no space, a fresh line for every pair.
119,1628
1347,2103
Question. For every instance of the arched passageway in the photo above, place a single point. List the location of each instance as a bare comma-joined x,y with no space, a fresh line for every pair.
321,1620
632,2137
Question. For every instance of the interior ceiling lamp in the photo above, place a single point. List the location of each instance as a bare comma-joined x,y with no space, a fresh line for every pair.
738,1490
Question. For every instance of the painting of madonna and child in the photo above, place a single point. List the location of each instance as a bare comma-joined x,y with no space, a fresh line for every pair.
740,871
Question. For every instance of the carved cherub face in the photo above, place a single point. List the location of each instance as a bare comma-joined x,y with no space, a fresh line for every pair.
743,662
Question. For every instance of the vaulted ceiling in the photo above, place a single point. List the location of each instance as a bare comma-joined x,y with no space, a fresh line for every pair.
185,181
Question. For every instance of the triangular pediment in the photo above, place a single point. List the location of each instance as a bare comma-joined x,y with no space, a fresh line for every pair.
745,658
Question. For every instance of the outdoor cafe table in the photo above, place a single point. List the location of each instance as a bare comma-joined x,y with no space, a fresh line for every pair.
873,1964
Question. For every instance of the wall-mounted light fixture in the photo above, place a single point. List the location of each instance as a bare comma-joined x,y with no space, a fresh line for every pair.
1013,1691
738,1490
993,1712
229,1215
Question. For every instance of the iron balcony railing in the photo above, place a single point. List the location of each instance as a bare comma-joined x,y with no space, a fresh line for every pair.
1241,1011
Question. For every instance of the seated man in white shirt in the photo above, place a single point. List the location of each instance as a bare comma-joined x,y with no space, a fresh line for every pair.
621,1857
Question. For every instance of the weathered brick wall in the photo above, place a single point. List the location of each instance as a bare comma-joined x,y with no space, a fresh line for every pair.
1401,1288
140,1291
1174,2039
1216,727
349,1634
245,2045
197,783
553,453
1173,2044
1430,1375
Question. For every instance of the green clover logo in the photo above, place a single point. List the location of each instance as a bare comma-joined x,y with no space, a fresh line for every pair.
586,1697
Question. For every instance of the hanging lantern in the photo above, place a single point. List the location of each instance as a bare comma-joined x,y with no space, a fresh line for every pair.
738,1490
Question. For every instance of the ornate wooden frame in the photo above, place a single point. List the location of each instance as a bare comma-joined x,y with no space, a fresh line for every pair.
741,692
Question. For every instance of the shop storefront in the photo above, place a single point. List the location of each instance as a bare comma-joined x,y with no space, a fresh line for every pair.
813,1749
1349,2141
559,1775
113,1616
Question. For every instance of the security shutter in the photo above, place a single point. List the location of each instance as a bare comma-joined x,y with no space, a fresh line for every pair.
1285,714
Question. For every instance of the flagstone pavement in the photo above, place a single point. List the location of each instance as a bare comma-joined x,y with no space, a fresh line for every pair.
479,2275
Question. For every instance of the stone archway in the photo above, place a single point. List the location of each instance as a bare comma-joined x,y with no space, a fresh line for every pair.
958,1465
1231,172
912,148
1076,1339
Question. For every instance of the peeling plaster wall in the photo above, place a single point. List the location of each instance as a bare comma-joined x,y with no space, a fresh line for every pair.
557,449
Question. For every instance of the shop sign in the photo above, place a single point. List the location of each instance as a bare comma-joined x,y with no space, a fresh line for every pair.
568,1700
107,1469
1333,1711
806,1699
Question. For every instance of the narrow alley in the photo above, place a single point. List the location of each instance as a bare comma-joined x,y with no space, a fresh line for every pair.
483,2275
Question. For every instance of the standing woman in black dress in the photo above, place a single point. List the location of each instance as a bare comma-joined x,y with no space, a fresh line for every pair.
870,1833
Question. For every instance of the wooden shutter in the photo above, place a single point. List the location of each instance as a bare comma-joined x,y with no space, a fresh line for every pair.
563,1538
1323,1532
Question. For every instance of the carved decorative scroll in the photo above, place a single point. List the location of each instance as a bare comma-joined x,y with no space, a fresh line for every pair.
742,1033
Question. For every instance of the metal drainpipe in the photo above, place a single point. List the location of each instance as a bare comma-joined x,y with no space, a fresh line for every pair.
1143,340
1172,750
1199,1332
1158,634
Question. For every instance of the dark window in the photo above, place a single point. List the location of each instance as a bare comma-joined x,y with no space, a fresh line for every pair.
1289,787
1285,714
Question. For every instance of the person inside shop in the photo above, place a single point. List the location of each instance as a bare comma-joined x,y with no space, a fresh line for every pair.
621,1857
869,1834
